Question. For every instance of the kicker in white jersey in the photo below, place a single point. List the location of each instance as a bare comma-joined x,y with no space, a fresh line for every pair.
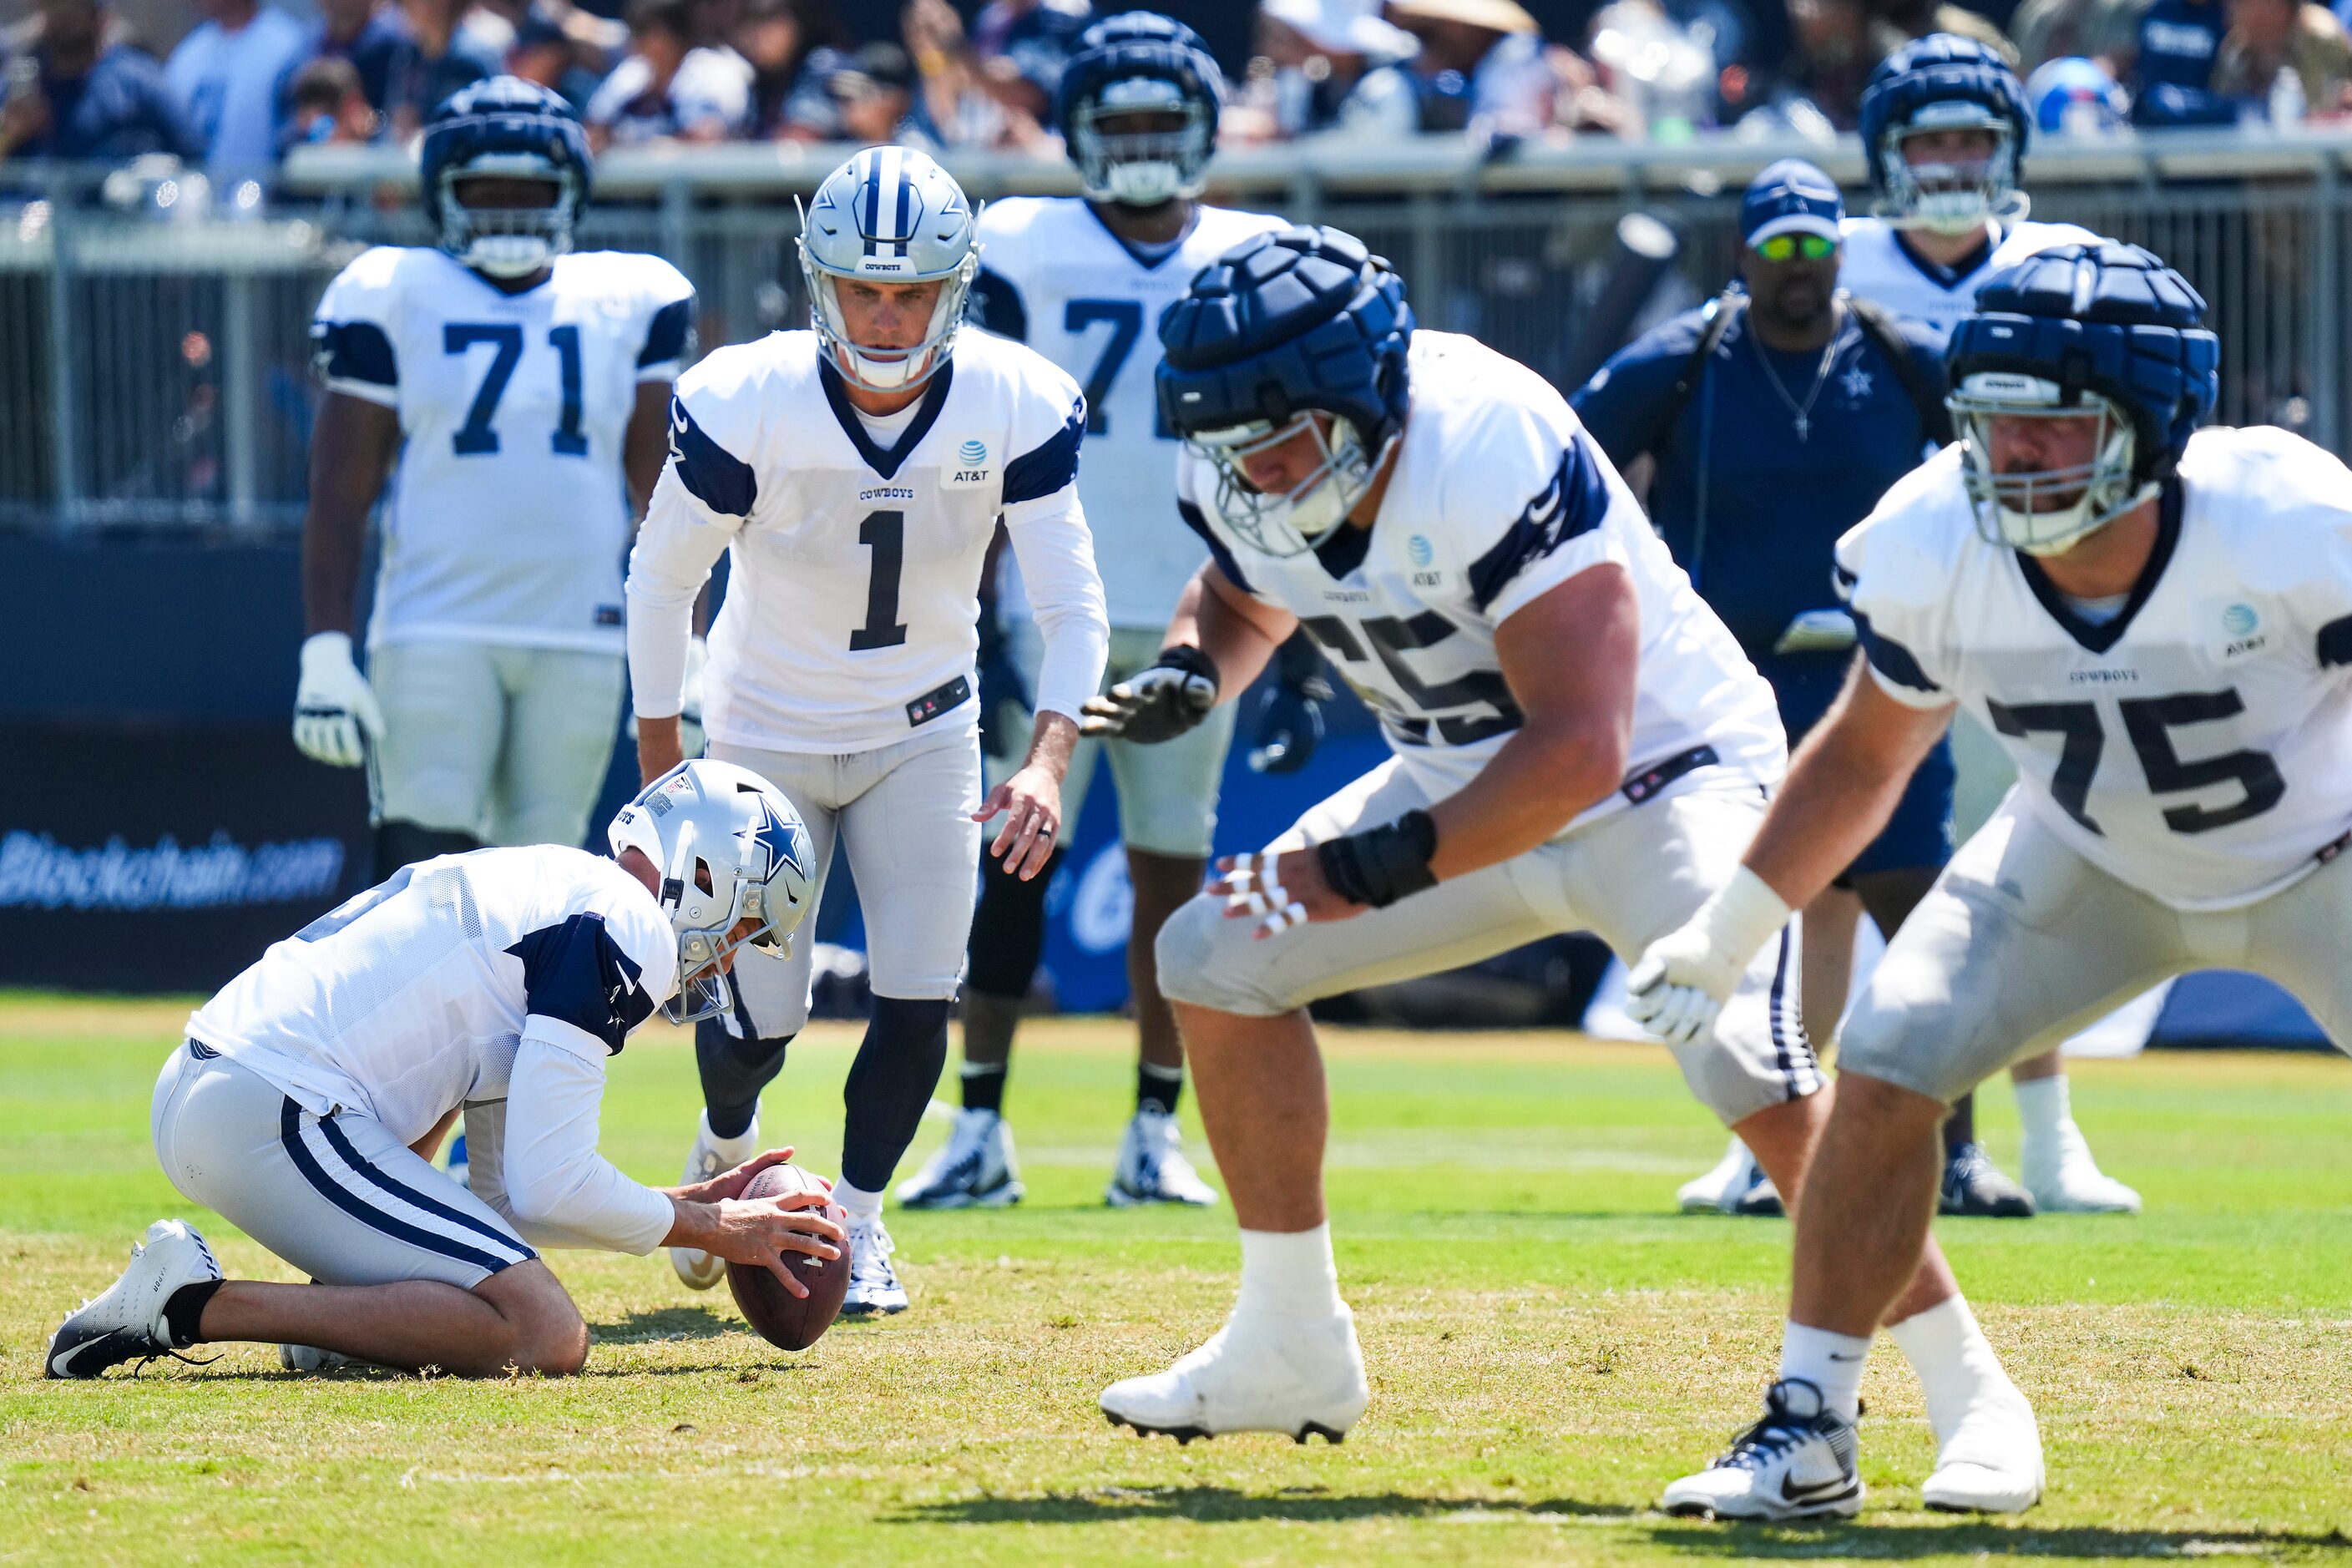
1877,267
2194,745
1496,497
506,520
853,599
1053,276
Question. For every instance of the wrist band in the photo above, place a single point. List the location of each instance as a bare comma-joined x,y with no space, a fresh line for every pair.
1191,661
1385,864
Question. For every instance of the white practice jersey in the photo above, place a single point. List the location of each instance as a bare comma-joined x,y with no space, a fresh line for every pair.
508,517
851,603
1496,497
2198,745
1054,276
413,998
1876,266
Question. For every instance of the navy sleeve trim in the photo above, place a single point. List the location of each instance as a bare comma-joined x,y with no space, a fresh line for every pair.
996,306
1890,657
671,336
1572,504
715,475
1034,475
1197,521
1843,581
576,972
354,351
2336,642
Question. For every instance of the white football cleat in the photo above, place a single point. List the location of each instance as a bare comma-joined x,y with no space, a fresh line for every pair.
973,1169
312,1359
1260,1373
701,1270
1796,1463
126,1322
1992,1461
1152,1168
874,1284
2065,1179
1720,1189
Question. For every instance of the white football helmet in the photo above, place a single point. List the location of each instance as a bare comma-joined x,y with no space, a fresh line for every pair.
730,847
890,215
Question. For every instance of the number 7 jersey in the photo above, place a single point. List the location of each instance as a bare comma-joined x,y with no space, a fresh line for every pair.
509,515
2198,745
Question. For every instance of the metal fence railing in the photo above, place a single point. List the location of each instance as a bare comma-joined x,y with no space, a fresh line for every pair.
153,358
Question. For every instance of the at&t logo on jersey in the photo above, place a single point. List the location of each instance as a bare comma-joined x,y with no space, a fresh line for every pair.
1422,553
2241,626
971,464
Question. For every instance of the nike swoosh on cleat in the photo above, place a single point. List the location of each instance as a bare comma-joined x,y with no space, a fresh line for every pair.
1820,1493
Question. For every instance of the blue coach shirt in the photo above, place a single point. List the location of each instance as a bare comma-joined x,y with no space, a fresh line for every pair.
119,109
1774,505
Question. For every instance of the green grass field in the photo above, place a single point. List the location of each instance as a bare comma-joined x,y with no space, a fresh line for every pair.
1547,1343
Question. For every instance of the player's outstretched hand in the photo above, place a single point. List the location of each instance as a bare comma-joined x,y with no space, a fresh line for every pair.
1031,803
1278,890
1686,975
730,1183
762,1230
333,707
1159,703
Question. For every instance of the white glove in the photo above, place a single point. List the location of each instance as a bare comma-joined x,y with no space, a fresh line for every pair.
333,705
1686,975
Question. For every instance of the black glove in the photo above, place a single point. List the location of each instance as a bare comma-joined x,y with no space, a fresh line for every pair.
1000,685
1290,715
1159,703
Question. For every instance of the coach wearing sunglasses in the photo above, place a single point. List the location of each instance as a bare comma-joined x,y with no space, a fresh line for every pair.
1765,424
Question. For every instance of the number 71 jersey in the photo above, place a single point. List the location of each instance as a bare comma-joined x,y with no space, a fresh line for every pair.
509,515
2198,745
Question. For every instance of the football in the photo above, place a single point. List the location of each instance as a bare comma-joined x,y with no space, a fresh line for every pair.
788,1321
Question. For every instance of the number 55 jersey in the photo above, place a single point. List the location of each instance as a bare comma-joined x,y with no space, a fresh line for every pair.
509,515
853,601
2193,741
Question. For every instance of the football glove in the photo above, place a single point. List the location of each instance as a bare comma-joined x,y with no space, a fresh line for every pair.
1159,703
1290,715
335,714
1686,975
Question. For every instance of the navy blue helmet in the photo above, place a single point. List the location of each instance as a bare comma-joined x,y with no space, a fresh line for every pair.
1945,82
1135,64
1281,328
2103,330
504,128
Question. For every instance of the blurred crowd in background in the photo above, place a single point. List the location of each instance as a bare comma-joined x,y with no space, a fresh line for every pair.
235,83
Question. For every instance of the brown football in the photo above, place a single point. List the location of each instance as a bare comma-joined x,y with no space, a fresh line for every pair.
788,1321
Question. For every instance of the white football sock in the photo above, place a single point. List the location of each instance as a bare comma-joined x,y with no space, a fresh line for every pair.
1956,1364
2042,1106
861,1205
732,1152
1289,1273
1831,1362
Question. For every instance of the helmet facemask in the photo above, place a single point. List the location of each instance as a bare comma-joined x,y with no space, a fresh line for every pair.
1142,168
508,241
1951,198
2045,511
1293,521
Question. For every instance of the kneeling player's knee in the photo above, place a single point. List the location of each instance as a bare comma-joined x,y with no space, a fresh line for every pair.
1207,961
553,1349
544,1331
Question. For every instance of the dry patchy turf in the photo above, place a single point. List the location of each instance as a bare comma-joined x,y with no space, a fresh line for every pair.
1547,1345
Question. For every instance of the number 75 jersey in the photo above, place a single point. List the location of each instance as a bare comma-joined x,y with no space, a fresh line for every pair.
509,515
2198,745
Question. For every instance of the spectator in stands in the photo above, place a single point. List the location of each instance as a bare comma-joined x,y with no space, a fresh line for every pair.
2281,60
1897,22
228,74
1021,46
2046,30
963,100
794,48
371,35
1662,67
449,53
2168,64
669,88
873,99
328,105
1481,68
1832,64
75,97
1326,66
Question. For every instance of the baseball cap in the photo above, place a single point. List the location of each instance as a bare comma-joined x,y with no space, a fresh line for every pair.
1790,196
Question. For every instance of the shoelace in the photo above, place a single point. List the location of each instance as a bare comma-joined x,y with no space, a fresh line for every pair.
1781,1430
872,1259
139,1366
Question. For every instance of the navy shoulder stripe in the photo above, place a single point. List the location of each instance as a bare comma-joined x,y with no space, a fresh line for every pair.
2336,642
354,351
996,306
1890,657
1572,504
576,972
1197,521
671,336
717,477
1053,463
